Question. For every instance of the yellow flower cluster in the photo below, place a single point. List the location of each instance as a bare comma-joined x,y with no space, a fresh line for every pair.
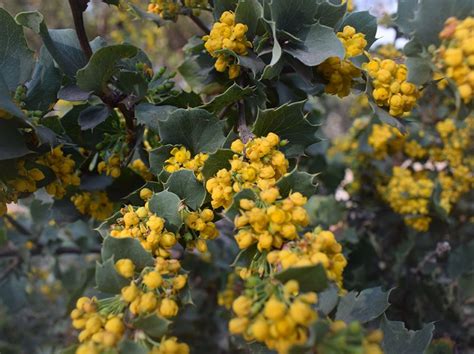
167,9
170,346
24,182
155,289
458,178
409,194
181,159
385,139
456,55
226,34
318,247
279,321
390,86
258,163
271,220
63,167
111,167
140,168
147,227
98,332
95,204
201,226
340,74
388,51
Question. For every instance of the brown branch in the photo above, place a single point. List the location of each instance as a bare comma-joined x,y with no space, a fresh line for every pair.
23,230
242,127
77,9
199,23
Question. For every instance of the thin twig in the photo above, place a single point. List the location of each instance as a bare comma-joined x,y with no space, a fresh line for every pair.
199,23
23,230
77,8
242,128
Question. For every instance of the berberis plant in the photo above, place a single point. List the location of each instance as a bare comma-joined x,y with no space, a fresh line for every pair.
205,220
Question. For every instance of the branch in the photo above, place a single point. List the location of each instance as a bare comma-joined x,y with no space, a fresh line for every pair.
77,9
199,23
242,128
23,230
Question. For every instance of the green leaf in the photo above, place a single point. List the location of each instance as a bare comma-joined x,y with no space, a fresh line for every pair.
153,325
62,44
328,299
324,210
102,66
107,279
249,12
364,306
45,83
16,59
6,102
297,181
460,260
419,70
318,43
184,184
330,14
167,205
12,143
217,161
130,347
309,278
196,129
398,340
158,157
276,64
150,115
363,22
385,117
291,16
92,116
127,247
405,15
289,123
198,71
233,94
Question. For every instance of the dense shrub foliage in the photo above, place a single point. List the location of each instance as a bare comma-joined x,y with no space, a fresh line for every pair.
213,209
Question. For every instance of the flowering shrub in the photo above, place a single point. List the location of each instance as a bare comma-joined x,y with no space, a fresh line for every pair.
213,196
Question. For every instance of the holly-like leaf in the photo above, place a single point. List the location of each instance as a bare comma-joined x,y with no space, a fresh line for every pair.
44,84
309,278
167,205
196,129
6,102
12,143
249,12
158,157
328,299
92,116
150,115
107,279
102,66
233,94
297,181
364,23
153,325
363,307
330,14
127,247
62,44
419,70
289,123
291,16
405,14
318,43
184,184
399,340
216,161
130,347
16,59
